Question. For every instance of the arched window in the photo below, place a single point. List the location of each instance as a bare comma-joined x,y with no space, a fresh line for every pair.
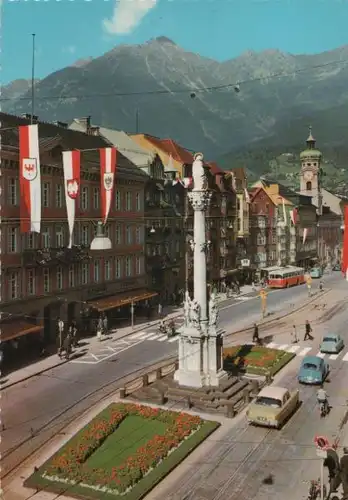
308,186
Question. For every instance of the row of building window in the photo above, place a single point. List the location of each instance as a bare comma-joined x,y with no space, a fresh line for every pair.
57,237
52,280
128,201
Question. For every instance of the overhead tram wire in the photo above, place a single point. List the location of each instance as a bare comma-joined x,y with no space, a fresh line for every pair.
213,88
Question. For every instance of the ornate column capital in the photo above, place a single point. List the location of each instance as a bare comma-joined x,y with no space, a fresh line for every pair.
200,200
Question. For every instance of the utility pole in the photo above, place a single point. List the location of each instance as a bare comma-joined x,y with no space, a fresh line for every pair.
33,80
186,243
137,121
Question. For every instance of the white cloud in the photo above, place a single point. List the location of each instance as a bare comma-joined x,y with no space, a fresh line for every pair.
71,49
126,15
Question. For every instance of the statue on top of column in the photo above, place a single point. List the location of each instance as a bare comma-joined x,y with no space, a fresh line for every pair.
195,313
187,309
200,181
213,310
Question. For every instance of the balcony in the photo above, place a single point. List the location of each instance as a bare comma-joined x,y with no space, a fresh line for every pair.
55,256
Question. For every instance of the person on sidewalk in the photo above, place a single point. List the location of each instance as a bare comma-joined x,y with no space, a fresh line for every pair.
105,324
308,331
67,345
60,325
160,310
74,334
294,337
256,337
344,472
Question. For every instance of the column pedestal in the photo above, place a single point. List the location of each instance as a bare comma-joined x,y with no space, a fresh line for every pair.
200,358
190,372
213,362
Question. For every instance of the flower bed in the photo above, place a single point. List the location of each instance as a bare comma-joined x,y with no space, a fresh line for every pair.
70,468
255,359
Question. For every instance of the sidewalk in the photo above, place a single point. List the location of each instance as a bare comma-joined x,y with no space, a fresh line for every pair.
53,361
244,290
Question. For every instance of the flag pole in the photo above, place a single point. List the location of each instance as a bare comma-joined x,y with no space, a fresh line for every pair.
32,80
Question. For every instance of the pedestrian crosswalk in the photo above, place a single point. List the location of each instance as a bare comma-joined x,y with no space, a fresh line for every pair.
158,337
305,351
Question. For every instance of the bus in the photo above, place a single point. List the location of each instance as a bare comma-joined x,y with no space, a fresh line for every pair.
285,277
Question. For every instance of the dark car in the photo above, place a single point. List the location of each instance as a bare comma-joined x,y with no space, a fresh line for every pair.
336,267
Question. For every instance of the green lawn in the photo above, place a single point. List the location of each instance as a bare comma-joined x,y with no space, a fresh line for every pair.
132,433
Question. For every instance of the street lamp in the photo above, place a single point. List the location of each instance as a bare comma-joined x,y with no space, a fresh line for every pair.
100,241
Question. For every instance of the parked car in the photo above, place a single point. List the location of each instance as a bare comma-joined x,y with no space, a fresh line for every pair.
332,344
316,272
272,406
336,267
313,370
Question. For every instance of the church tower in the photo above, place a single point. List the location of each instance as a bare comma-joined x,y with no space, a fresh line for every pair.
310,169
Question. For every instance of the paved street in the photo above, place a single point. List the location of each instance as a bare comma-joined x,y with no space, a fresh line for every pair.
240,463
35,404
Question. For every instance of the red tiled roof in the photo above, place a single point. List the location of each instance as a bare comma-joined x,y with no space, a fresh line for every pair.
171,147
214,168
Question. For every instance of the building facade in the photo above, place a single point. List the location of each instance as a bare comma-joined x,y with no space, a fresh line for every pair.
263,230
163,212
42,279
241,226
329,206
283,226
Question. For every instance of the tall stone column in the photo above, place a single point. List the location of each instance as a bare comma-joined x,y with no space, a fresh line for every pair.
200,202
200,343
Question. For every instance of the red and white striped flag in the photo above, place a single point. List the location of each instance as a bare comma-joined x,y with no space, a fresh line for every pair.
71,167
305,234
30,179
293,216
345,244
107,179
186,182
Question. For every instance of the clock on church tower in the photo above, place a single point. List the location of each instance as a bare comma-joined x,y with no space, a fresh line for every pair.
310,167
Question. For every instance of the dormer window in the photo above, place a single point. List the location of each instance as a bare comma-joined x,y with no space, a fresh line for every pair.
308,186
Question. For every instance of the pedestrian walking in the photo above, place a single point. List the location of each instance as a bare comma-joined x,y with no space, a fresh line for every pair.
344,472
105,325
74,334
308,331
321,286
160,310
294,337
256,337
67,345
60,325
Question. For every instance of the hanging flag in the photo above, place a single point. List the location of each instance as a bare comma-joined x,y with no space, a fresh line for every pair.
305,234
345,244
71,167
247,197
293,216
285,217
29,179
107,179
188,181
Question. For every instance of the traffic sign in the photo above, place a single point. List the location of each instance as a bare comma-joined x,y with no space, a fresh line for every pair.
322,442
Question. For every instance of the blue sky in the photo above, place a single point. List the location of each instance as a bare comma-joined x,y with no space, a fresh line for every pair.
67,30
